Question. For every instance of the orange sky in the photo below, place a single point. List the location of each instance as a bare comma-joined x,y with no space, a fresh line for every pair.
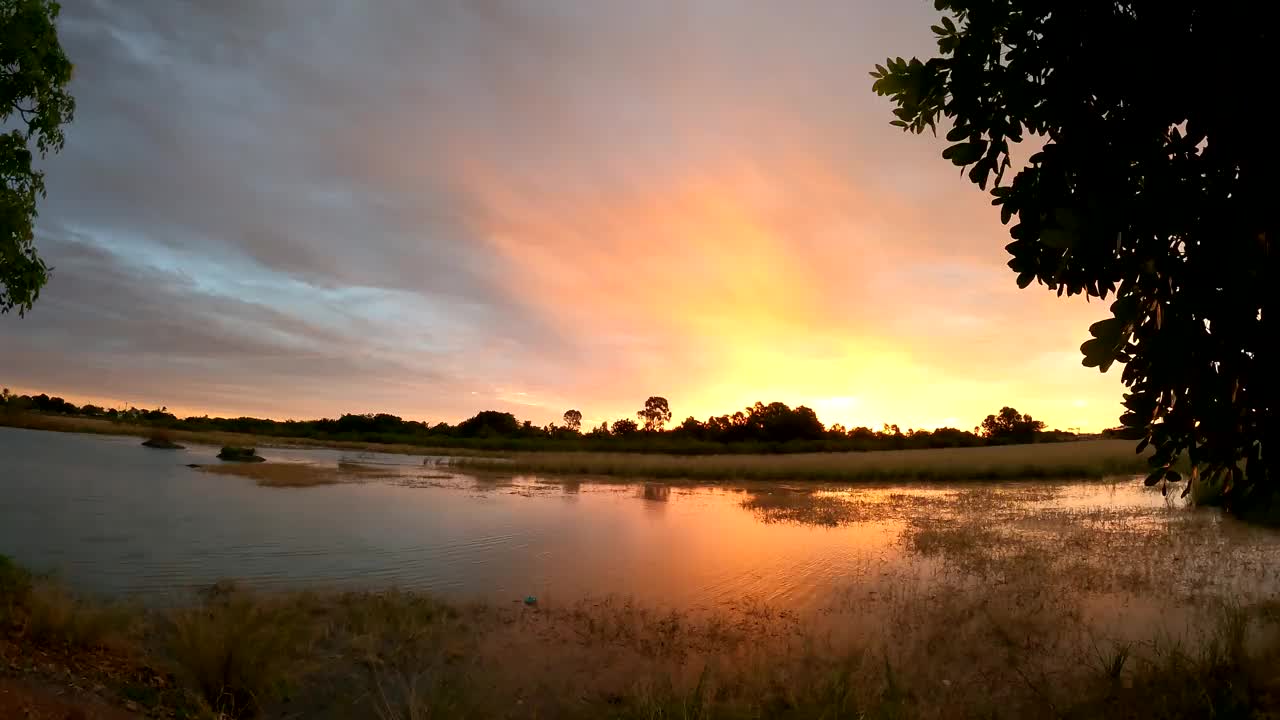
529,208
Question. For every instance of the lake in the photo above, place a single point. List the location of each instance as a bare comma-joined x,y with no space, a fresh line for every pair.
111,517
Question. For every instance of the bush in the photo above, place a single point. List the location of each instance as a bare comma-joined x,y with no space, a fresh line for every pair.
239,649
56,616
15,586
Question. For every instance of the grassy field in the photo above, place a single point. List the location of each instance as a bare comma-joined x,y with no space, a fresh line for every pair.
1085,459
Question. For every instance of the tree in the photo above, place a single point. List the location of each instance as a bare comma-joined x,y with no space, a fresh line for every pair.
624,427
34,73
573,420
656,414
487,423
1147,189
1010,425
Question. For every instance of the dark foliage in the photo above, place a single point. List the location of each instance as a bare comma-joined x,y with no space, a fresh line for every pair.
761,428
655,415
1149,189
34,105
1010,426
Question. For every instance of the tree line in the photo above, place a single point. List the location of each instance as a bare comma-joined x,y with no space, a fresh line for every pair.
772,427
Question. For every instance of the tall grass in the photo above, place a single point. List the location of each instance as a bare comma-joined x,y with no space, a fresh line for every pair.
948,653
1084,459
240,650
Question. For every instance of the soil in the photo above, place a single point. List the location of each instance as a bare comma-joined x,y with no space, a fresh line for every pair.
24,699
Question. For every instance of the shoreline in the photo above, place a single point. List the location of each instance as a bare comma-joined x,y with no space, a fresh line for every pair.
238,653
1082,459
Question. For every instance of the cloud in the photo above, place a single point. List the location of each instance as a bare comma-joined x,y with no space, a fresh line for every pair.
308,206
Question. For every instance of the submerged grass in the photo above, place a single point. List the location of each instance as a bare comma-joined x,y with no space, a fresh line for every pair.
1083,459
297,474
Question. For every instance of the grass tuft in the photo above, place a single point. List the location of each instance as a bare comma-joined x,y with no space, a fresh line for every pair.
239,649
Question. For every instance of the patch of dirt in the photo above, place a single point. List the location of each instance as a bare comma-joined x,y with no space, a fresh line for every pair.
29,700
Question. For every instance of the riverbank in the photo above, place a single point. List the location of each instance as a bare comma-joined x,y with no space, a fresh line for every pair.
961,651
1079,459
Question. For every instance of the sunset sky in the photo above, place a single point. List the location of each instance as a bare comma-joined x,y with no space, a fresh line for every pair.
308,207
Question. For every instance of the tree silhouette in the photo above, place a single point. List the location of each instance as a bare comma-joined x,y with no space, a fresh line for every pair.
573,420
488,423
656,414
625,426
1010,425
33,85
1145,190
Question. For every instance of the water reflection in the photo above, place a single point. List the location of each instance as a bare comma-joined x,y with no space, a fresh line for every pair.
110,517
655,492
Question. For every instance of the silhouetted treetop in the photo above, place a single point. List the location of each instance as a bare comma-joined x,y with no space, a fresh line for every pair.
487,423
1010,425
655,415
1149,188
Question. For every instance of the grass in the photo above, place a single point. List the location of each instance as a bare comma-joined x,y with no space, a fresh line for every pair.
1084,459
239,651
296,475
1017,648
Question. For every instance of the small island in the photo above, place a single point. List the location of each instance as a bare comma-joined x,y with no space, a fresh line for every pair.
162,441
240,454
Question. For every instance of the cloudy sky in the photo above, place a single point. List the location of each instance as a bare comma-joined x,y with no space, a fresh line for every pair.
306,207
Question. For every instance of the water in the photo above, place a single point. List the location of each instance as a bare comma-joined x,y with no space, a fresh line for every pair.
112,517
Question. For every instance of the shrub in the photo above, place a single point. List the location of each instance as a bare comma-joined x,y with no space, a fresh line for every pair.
238,649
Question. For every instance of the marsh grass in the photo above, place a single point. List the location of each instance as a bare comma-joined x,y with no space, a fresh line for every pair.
1084,459
1019,649
240,650
45,611
55,615
296,475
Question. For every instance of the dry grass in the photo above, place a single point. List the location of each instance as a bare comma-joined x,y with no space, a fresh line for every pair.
296,475
54,615
1020,647
43,610
239,650
1084,459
